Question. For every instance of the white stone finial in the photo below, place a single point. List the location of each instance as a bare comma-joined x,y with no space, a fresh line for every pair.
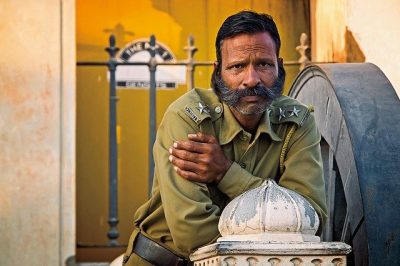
303,50
269,213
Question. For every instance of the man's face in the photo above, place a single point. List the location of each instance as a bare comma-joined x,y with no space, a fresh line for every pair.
249,69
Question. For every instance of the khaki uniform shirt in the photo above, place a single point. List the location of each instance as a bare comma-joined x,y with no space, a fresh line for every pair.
183,215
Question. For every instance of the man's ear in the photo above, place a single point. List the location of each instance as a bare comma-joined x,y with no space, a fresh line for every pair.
215,65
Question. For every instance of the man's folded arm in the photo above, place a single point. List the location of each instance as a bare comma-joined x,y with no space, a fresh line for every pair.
191,215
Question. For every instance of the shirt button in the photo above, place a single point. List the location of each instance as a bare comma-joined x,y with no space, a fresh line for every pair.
243,165
218,109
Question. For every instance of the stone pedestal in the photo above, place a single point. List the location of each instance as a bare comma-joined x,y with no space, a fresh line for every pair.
238,253
270,225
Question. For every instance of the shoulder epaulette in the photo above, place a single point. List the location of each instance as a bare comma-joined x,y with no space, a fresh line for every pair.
199,110
197,113
289,113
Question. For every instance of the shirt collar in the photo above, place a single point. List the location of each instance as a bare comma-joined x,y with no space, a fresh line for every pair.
230,127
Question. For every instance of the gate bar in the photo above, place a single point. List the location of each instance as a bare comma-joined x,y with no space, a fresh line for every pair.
152,110
113,233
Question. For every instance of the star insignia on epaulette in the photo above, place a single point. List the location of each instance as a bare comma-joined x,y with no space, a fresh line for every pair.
294,112
203,108
281,114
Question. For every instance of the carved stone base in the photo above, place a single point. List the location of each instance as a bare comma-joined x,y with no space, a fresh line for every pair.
229,253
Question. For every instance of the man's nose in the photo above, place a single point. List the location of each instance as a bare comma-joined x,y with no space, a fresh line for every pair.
252,77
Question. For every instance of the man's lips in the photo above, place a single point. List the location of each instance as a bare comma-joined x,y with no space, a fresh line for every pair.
250,99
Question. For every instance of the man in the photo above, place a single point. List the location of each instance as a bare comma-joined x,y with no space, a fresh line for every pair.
212,146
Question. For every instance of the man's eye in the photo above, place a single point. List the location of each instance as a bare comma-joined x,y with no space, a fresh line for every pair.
265,64
237,66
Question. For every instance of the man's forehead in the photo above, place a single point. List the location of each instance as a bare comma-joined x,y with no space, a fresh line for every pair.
261,43
257,48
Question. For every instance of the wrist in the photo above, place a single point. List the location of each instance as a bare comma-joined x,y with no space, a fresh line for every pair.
226,167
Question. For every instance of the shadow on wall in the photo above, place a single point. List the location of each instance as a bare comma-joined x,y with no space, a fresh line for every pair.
120,33
354,54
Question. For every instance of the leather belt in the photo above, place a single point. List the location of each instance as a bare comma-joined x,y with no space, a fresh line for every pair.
156,254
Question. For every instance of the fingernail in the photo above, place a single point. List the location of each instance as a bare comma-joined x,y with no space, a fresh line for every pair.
170,150
191,135
170,158
175,145
176,168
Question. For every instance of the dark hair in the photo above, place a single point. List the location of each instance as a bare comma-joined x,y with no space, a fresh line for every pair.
246,22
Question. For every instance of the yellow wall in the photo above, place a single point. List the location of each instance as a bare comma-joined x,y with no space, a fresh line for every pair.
172,22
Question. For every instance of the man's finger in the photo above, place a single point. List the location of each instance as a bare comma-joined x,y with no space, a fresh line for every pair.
203,137
191,176
183,164
185,155
191,146
187,174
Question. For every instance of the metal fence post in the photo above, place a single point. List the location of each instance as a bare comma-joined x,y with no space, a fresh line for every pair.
113,233
191,50
152,108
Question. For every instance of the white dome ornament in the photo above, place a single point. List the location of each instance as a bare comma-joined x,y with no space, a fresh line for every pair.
269,213
270,225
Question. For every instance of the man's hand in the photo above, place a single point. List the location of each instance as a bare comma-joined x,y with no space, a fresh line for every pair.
199,159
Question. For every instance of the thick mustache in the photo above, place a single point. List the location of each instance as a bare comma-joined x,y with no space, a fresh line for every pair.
233,96
258,90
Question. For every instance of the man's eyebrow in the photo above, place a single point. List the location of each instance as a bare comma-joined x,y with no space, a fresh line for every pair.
266,59
235,62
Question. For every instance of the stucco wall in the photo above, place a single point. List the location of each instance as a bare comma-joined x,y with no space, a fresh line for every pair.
358,31
37,132
376,26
